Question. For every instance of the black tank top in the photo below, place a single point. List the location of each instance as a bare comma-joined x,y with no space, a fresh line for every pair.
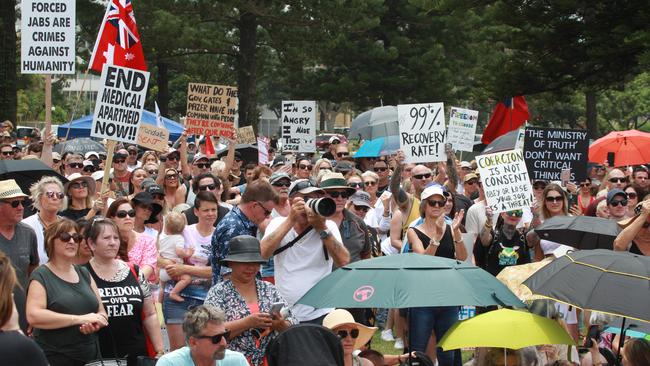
504,252
123,302
445,249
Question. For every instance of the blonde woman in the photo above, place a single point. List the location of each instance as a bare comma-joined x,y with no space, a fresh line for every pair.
149,157
48,199
321,164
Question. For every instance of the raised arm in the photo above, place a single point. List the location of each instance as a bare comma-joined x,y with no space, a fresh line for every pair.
625,237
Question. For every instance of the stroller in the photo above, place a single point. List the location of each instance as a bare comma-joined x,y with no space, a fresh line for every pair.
305,344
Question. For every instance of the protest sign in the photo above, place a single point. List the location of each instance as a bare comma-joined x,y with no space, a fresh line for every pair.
422,132
246,135
119,104
505,180
47,37
299,126
152,137
263,150
549,150
211,110
461,129
519,144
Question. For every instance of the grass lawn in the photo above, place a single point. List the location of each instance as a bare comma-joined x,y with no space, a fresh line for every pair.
386,348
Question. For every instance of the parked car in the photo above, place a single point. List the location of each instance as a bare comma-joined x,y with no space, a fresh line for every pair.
323,140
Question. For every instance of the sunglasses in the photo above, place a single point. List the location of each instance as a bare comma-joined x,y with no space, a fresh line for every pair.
152,172
209,187
354,333
58,195
515,213
267,212
471,182
89,169
75,165
15,204
622,202
78,185
7,153
325,168
342,154
173,158
55,161
617,180
434,203
369,183
65,237
123,214
378,170
587,184
133,153
282,184
119,161
539,186
554,199
361,208
304,167
203,165
335,142
339,194
355,185
171,176
216,339
631,195
422,176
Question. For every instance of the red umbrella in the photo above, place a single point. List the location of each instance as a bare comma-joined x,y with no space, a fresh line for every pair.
630,148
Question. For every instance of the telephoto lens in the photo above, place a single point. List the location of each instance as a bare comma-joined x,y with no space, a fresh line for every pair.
322,206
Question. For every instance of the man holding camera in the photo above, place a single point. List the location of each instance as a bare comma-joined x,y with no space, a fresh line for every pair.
305,246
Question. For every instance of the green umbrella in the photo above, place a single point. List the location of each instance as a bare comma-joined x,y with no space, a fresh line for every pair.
408,280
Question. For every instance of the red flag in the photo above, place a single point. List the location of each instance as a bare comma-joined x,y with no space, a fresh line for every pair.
118,42
209,146
508,115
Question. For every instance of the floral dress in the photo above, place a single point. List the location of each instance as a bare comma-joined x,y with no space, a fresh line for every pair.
224,296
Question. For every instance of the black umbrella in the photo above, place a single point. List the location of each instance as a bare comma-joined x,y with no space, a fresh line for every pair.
248,152
581,232
503,143
80,145
26,172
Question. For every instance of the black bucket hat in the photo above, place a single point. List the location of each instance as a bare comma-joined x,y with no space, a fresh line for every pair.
244,249
145,198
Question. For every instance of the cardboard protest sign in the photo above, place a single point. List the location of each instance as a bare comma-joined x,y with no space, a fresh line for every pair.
47,36
299,126
153,138
246,135
550,150
461,129
211,109
505,180
422,132
119,104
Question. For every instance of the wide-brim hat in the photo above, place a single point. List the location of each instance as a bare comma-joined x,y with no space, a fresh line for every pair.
340,317
77,177
145,198
244,249
335,181
10,189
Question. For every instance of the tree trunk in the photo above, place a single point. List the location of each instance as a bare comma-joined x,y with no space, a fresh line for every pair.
8,77
247,70
163,88
592,120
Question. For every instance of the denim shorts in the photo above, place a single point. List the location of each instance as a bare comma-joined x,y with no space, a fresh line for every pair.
174,311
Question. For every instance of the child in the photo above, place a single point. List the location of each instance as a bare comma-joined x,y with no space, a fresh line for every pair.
172,246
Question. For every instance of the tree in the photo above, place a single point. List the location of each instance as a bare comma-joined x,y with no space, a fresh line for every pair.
8,71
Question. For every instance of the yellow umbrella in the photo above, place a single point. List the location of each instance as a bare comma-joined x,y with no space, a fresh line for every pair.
514,276
505,328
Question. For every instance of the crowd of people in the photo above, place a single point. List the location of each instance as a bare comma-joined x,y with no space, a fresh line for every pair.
226,247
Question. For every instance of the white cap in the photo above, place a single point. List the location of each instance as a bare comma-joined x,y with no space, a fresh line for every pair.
98,175
432,190
87,163
465,164
334,138
91,153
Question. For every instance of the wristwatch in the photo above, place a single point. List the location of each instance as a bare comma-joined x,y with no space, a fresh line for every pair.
324,234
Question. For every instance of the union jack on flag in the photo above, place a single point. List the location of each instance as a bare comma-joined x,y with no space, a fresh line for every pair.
118,42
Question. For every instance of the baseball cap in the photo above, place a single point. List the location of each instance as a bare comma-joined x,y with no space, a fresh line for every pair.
198,157
334,138
154,189
613,193
432,190
303,186
91,153
469,176
279,176
344,167
361,198
465,164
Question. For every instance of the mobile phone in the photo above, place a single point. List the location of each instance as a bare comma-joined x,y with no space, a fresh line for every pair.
610,158
276,307
594,332
573,199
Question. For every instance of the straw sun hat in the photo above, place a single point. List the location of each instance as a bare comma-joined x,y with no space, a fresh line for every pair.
340,317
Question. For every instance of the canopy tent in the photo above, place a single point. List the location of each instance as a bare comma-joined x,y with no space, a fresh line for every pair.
81,127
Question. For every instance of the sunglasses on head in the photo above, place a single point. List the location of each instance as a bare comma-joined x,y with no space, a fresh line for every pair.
282,184
361,208
434,203
65,237
119,161
304,167
123,214
342,154
422,176
58,195
7,153
77,185
203,165
216,339
617,180
209,187
554,199
75,165
615,203
369,183
354,333
337,194
378,170
15,204
355,184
